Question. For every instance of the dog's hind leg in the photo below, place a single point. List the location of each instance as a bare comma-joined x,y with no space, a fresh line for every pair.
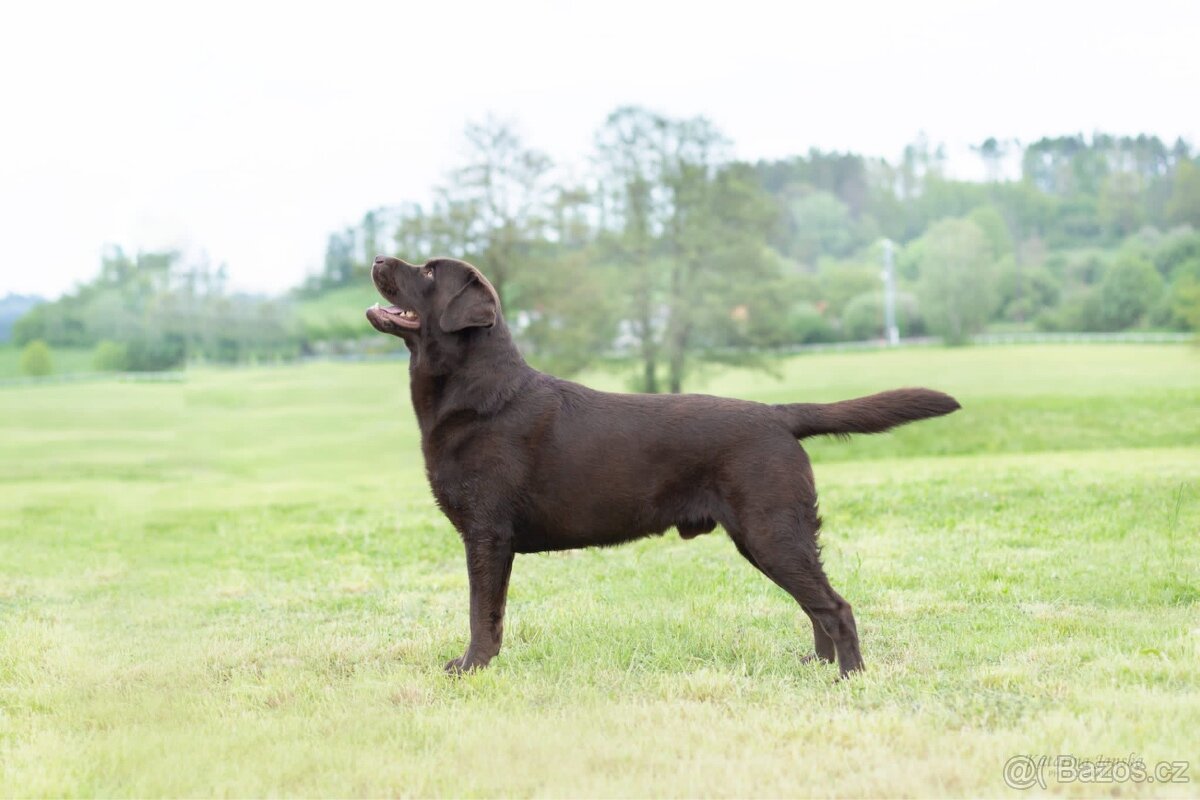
822,643
783,545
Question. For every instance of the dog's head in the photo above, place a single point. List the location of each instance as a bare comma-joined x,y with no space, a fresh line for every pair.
443,299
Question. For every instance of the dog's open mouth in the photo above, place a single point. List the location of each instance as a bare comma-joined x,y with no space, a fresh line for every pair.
394,316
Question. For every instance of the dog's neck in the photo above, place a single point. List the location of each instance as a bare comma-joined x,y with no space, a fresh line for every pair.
479,375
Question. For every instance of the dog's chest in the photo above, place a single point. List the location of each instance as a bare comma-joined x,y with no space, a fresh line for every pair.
471,476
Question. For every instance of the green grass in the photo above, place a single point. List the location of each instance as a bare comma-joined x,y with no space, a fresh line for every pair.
239,585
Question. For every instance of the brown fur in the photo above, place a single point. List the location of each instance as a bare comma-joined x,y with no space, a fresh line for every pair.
524,462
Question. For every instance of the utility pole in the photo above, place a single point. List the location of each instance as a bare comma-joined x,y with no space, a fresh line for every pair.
889,294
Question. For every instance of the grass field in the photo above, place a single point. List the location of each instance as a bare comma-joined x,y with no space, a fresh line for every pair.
239,585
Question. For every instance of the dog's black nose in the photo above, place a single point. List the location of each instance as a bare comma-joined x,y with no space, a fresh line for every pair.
379,259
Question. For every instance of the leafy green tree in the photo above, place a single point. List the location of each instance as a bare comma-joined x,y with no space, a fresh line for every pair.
36,359
502,195
992,223
992,152
1178,248
1185,301
631,156
1183,208
568,314
956,287
1025,290
339,259
1130,288
691,227
818,224
1120,203
720,268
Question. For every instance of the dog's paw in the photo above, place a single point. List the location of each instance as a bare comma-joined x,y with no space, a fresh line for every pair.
813,658
464,664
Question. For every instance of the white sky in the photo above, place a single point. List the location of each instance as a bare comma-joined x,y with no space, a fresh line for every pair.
252,130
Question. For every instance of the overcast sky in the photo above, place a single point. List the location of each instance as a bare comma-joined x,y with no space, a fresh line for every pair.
251,130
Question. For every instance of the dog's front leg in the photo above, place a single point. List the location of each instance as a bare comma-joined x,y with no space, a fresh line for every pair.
489,564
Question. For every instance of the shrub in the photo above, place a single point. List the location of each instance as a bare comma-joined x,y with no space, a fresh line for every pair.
804,324
153,354
35,359
110,356
1130,288
864,317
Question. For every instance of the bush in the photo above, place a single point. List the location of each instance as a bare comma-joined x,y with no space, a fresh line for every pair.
35,359
1067,317
110,356
804,324
153,354
1026,290
864,317
1131,287
1185,302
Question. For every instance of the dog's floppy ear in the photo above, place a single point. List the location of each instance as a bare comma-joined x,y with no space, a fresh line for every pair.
473,307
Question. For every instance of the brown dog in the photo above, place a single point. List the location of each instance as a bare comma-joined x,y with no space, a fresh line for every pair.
523,462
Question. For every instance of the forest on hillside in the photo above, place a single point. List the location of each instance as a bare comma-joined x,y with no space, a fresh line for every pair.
659,245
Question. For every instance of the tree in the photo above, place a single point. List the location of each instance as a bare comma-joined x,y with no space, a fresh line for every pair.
36,360
689,227
1025,290
1184,206
339,259
723,278
630,156
818,224
691,235
163,309
1130,288
1119,203
569,314
1185,301
956,287
991,222
992,152
502,195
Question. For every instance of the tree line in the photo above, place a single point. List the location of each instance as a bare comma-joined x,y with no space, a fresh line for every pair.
663,248
664,244
155,311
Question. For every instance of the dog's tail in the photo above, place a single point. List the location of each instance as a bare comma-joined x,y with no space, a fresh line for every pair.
872,414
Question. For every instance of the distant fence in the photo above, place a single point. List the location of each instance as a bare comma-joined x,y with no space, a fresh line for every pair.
1125,337
175,376
986,339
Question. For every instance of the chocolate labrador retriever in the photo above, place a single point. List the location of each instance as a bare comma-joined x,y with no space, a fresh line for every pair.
523,462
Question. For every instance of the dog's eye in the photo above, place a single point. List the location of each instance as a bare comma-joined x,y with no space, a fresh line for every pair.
427,272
